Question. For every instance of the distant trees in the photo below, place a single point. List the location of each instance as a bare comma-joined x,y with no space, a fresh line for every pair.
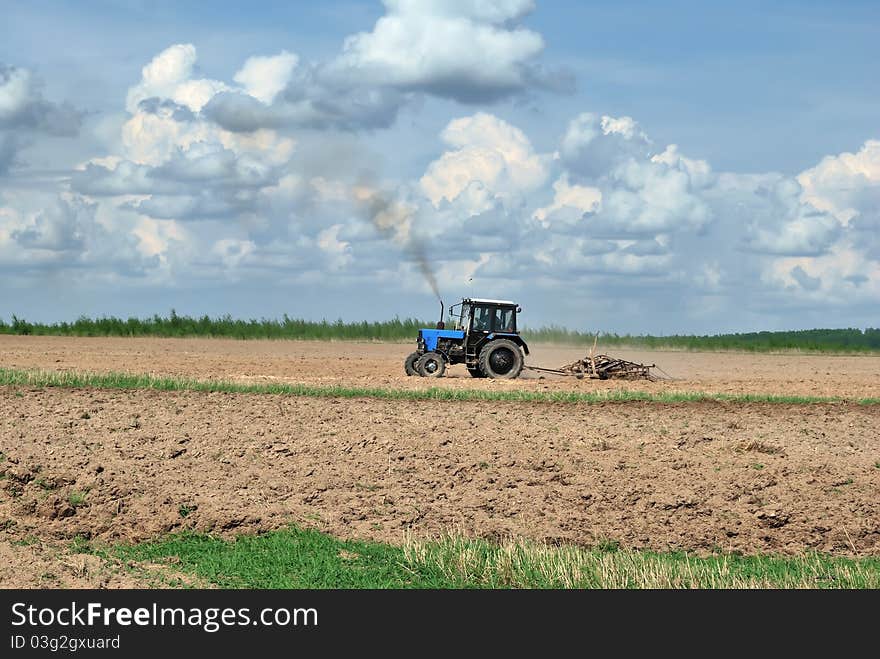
814,340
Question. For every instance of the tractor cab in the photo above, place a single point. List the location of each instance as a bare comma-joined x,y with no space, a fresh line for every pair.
481,316
481,333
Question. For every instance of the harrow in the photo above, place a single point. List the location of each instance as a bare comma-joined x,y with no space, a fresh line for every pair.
603,367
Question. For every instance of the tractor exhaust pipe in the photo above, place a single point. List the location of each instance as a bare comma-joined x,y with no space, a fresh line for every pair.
440,323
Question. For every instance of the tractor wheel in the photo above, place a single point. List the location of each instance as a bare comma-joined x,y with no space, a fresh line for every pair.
431,365
409,364
476,372
501,358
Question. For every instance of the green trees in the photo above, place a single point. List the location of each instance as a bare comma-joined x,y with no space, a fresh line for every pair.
397,329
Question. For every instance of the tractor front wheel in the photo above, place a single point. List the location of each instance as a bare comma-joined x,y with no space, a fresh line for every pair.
431,365
409,364
501,358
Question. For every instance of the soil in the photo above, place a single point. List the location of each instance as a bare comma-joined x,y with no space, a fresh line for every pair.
127,466
381,365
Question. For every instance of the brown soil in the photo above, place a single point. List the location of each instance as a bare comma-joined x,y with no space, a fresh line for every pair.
112,465
33,563
381,364
752,478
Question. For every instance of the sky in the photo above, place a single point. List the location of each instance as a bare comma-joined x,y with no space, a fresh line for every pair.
641,167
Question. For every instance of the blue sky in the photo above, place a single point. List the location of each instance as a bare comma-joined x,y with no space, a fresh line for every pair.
640,167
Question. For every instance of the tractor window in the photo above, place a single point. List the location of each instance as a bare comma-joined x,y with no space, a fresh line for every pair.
465,316
504,320
482,319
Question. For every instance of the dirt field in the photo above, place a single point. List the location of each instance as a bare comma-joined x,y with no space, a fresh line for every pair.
113,465
381,364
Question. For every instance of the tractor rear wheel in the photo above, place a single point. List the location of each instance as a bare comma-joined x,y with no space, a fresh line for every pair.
476,372
501,358
431,365
409,364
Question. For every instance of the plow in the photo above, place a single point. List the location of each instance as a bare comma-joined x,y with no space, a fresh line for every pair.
603,367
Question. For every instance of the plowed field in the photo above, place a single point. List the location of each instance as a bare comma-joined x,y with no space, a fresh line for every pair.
131,465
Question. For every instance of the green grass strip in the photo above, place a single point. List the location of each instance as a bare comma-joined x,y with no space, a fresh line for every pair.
298,558
68,379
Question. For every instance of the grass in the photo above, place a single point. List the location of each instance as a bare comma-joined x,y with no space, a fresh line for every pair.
284,559
68,379
300,558
851,340
77,499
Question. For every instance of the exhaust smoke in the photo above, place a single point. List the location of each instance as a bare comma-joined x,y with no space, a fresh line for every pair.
394,221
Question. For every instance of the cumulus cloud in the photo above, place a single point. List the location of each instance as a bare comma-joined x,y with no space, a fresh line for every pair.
213,181
269,92
845,275
846,185
26,113
232,252
62,226
406,55
781,223
176,165
650,198
490,159
409,48
570,202
593,144
63,232
22,105
242,113
169,76
125,178
621,209
633,192
315,101
264,77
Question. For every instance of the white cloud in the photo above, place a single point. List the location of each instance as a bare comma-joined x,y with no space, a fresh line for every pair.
169,75
699,172
411,48
579,199
490,157
646,196
408,53
844,275
846,183
62,226
265,77
64,231
593,145
206,184
339,250
16,93
23,107
155,236
232,252
780,223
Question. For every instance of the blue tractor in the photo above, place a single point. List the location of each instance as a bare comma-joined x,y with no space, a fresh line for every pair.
484,337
